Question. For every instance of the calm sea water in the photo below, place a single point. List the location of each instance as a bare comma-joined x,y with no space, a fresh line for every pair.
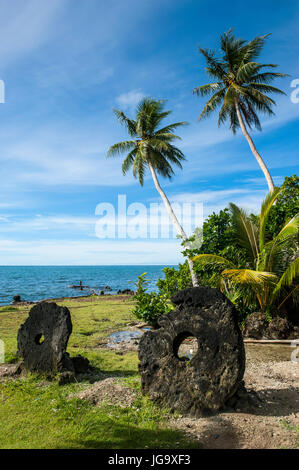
35,283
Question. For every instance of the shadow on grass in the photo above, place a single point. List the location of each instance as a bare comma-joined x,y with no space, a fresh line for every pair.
121,373
97,374
130,436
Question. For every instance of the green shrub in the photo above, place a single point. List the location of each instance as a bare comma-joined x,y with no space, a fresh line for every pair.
175,280
149,306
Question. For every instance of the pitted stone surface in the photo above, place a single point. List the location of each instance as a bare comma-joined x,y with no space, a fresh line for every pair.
214,373
53,324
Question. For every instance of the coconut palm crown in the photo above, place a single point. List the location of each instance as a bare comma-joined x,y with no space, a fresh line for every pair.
239,78
150,145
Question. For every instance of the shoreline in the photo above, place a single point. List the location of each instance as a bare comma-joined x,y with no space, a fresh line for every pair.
26,303
122,297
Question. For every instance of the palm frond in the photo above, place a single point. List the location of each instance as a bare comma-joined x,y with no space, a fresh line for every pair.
252,50
288,277
129,161
121,147
212,104
249,114
234,121
207,89
265,209
245,230
170,128
139,168
213,261
257,97
278,254
267,77
130,124
249,277
265,88
246,70
223,114
289,229
215,67
231,46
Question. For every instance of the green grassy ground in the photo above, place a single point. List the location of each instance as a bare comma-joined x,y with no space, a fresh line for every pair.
38,413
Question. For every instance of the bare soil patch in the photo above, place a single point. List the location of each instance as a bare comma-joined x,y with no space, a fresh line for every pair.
271,424
9,371
108,391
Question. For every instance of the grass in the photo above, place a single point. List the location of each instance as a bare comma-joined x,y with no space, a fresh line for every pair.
294,429
36,413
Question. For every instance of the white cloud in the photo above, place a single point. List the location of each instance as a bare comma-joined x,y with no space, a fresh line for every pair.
214,201
99,252
6,205
40,222
278,180
61,156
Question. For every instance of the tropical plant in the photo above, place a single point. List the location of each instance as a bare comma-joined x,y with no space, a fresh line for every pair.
174,280
241,88
216,235
141,284
270,275
286,205
151,147
149,305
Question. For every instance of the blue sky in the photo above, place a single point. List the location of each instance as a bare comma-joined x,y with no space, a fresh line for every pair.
67,63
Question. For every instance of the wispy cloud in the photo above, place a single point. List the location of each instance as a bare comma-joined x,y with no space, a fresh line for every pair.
27,30
278,180
66,64
98,252
215,200
67,224
130,99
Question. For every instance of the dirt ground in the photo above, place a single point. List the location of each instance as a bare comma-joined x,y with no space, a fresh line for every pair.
109,391
270,425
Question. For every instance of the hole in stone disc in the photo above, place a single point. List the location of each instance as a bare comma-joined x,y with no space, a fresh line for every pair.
39,339
185,346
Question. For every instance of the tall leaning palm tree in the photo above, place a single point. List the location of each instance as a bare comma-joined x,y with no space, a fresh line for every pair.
241,88
151,147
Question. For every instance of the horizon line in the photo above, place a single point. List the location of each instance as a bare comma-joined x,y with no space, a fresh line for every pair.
78,265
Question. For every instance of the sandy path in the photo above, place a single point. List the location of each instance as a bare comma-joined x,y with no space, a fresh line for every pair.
271,424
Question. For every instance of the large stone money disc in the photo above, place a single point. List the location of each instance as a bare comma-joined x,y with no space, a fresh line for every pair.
43,338
214,372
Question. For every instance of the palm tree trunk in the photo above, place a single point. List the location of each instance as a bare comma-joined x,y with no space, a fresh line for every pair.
175,222
254,150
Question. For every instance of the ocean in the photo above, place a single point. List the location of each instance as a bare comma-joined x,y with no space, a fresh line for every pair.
34,283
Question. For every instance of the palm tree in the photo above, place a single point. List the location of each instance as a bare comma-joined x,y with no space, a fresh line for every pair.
241,88
270,272
151,147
